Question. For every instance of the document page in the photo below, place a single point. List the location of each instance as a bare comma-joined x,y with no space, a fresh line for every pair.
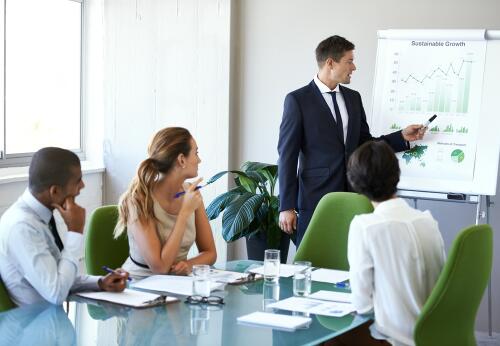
128,297
329,275
313,306
276,321
341,297
181,285
286,270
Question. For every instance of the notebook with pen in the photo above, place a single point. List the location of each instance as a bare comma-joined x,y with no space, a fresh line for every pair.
131,298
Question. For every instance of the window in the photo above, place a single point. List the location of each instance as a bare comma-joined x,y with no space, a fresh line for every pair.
41,72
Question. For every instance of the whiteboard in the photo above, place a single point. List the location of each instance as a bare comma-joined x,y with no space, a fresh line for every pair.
454,74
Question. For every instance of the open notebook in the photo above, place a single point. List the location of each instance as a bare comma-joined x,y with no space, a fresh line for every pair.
132,298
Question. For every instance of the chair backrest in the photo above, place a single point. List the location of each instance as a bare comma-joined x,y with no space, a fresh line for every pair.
449,313
5,302
325,240
101,248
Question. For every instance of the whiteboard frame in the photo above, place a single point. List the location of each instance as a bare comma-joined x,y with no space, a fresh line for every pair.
484,181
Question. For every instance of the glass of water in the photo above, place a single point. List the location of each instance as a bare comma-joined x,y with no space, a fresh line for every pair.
201,280
270,294
271,265
302,278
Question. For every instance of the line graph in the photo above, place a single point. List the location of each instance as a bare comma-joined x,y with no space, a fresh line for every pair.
441,88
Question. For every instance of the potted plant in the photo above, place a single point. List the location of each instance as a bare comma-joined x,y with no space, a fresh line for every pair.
251,209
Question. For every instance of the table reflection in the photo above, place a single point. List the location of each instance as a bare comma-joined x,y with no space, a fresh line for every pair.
46,323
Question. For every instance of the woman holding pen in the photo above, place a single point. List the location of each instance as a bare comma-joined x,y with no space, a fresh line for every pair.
162,228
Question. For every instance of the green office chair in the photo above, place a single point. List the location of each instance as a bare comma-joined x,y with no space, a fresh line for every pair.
448,316
5,302
101,248
325,241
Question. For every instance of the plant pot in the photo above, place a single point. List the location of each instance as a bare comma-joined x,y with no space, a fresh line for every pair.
257,244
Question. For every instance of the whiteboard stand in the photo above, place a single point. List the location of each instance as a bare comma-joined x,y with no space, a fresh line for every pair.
459,198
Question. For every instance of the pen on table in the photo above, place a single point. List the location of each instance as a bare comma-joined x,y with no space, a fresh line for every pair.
109,270
343,284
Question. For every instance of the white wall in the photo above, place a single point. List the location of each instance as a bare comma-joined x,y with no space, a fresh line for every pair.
273,49
90,197
165,63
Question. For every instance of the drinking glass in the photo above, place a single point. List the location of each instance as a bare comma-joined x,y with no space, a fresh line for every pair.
302,278
201,280
271,265
270,294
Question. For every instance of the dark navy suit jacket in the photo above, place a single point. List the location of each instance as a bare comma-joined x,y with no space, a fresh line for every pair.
308,136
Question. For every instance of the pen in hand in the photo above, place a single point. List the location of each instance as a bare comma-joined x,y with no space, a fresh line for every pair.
109,270
178,194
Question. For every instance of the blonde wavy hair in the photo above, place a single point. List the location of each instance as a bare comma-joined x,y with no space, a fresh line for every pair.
165,147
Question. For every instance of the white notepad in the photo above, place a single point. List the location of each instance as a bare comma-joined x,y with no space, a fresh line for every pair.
181,285
286,270
133,298
275,321
341,297
329,275
313,306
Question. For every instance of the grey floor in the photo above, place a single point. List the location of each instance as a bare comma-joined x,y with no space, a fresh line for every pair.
483,339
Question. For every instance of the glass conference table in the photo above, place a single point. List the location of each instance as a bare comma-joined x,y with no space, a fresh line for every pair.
95,323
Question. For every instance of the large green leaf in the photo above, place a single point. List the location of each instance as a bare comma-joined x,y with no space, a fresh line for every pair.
257,176
216,177
239,214
250,166
221,202
248,183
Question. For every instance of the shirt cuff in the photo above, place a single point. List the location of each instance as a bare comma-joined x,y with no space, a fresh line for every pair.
73,249
86,283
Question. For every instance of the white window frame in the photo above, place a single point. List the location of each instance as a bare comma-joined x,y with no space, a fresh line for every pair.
24,159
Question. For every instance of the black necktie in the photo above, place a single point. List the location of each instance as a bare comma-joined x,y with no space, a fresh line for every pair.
53,229
340,125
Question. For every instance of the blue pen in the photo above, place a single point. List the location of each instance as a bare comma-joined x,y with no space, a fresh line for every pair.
109,270
178,194
343,284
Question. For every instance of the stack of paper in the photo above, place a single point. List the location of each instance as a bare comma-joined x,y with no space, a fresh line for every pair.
286,270
276,321
314,306
228,277
181,285
129,297
341,297
329,275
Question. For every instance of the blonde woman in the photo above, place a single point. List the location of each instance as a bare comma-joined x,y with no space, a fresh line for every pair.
161,228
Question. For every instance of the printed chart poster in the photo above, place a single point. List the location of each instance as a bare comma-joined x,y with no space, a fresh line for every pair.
442,77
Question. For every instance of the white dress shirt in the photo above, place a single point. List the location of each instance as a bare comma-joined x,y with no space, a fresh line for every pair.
31,265
395,255
340,101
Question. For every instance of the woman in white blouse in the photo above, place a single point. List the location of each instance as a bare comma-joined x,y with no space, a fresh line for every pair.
395,253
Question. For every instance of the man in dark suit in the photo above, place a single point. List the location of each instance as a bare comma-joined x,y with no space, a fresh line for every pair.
323,123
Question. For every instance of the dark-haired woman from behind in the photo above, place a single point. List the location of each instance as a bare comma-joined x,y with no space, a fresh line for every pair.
162,228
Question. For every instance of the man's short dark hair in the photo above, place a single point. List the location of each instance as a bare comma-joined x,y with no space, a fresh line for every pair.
333,47
51,166
373,170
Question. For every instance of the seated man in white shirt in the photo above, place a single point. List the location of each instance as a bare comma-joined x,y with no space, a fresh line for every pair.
395,254
35,265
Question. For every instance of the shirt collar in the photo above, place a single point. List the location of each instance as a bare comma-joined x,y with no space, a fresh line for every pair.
322,86
42,211
390,204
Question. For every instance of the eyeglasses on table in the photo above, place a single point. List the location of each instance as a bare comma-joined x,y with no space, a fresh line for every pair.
211,300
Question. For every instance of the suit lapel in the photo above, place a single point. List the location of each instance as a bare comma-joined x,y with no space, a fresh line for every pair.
350,122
